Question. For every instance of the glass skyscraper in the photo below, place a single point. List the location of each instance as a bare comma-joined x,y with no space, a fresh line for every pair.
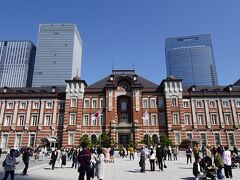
16,63
59,54
191,58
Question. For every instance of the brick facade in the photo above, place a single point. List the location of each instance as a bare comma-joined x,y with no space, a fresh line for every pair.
210,115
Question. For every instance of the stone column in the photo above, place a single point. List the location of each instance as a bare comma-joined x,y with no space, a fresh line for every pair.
15,113
220,114
54,120
41,113
194,120
28,114
3,103
208,123
235,120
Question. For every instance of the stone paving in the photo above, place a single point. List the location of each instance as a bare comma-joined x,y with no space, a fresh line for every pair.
122,169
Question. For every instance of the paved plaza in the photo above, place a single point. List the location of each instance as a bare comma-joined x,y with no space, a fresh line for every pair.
122,169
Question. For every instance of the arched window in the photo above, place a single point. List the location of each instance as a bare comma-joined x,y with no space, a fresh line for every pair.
147,139
93,139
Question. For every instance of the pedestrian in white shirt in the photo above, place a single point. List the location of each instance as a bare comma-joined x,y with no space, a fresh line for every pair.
152,158
227,163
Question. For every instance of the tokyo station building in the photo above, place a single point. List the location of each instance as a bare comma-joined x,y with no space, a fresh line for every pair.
129,107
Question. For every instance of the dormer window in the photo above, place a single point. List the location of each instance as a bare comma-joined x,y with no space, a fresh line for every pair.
111,78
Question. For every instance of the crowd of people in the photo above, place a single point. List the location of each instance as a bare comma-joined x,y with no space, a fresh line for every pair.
213,161
90,162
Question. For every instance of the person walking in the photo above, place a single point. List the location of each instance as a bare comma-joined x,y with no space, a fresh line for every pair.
54,158
131,150
74,158
160,156
218,161
84,159
152,158
63,158
99,164
174,152
9,165
189,154
169,153
196,151
142,160
111,152
26,160
227,163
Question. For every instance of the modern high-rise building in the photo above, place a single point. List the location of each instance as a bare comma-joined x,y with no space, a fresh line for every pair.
16,63
59,54
191,58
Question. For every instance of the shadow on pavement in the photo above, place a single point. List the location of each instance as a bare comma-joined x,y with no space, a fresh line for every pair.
185,168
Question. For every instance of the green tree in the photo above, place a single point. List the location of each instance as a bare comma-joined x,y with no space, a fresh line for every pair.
104,140
84,141
147,139
165,141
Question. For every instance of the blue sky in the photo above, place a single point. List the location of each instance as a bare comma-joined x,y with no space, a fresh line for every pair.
127,31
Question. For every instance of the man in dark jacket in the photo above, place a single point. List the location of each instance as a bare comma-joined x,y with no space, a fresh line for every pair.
84,159
160,156
26,159
54,158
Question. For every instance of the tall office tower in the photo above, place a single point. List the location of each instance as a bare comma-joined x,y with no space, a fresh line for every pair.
191,58
59,54
16,63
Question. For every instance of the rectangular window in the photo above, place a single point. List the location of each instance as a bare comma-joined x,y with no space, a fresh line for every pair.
231,140
34,120
62,105
177,138
189,136
23,105
101,103
10,105
237,103
153,103
47,120
49,105
199,104
186,103
174,102
7,119
60,119
94,103
94,120
176,118
203,139
217,139
21,119
86,120
200,118
32,140
72,119
187,119
86,103
18,140
145,118
145,103
226,104
154,119
160,102
123,105
70,139
73,102
36,105
5,141
228,119
162,120
101,120
212,104
214,119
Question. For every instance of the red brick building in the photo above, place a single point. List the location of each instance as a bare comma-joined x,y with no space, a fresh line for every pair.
129,107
